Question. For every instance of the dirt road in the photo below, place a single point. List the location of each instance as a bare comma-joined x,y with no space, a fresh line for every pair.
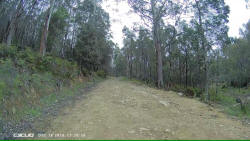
118,109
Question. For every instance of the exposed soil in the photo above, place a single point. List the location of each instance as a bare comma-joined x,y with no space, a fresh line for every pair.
38,125
117,109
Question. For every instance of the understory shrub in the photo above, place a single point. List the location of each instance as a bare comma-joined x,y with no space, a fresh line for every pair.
213,95
101,73
26,77
190,92
178,88
7,52
10,79
32,61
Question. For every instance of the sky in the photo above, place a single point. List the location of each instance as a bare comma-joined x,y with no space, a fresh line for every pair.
121,15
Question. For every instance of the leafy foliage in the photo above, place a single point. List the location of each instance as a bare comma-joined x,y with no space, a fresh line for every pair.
93,48
101,73
30,80
24,67
236,60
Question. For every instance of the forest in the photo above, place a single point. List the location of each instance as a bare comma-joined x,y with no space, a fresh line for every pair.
51,49
193,55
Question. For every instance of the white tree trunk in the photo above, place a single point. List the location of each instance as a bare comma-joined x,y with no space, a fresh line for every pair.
46,28
157,45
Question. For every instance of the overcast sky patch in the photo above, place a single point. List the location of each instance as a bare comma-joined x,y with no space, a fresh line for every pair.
121,15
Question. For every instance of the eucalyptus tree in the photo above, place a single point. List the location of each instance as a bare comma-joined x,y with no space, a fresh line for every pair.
67,26
211,17
168,37
44,36
12,11
119,62
15,14
153,11
236,58
185,41
93,47
129,48
142,44
57,30
245,31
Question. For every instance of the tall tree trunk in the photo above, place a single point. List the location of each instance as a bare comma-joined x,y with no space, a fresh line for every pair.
204,52
159,67
128,67
186,69
150,73
206,80
146,73
46,28
180,71
10,34
144,69
13,20
156,27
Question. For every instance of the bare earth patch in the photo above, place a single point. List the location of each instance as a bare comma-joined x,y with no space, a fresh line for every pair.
118,109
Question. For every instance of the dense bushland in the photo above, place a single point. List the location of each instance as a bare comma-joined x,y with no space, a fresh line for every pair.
47,46
30,81
27,78
195,57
